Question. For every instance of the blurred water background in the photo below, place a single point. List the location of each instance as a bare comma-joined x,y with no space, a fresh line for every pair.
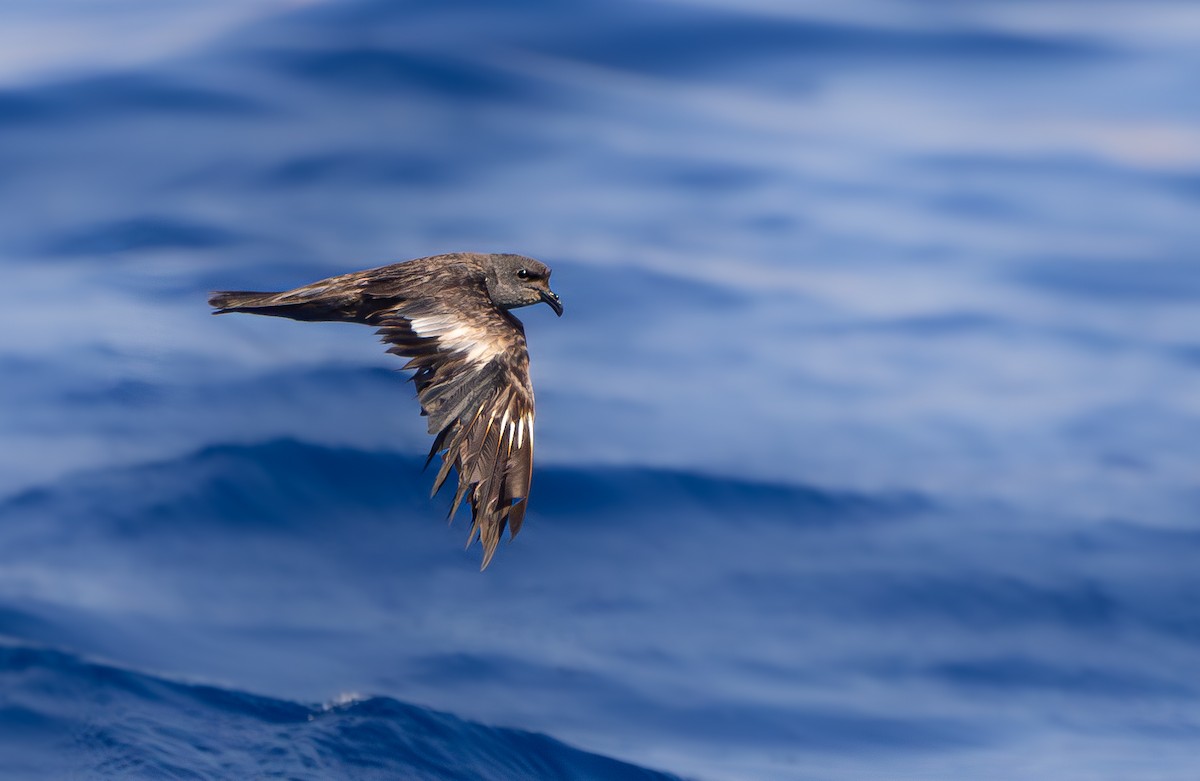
867,446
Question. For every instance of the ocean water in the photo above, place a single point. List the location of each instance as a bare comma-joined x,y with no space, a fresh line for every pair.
867,445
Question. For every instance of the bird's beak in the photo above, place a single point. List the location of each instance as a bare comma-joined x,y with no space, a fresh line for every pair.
550,298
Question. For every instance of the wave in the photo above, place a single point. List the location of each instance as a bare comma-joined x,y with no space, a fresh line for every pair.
141,234
286,483
65,716
104,98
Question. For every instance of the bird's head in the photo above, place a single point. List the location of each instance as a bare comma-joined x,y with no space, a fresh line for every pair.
513,281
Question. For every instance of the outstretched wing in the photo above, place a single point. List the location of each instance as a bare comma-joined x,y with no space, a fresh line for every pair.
472,378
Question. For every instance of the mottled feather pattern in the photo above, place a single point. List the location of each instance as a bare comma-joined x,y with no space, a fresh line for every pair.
470,366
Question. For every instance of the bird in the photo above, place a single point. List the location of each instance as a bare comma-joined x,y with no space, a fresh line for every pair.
450,315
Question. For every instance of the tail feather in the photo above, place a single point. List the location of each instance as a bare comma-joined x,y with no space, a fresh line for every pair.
239,300
285,304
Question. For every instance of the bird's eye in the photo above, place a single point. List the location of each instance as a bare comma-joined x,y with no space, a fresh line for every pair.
523,274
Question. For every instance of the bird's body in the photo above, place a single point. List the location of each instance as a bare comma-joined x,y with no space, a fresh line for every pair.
449,315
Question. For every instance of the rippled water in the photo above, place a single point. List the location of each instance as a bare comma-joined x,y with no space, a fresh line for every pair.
867,443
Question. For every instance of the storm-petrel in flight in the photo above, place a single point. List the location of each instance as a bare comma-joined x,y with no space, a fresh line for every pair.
449,314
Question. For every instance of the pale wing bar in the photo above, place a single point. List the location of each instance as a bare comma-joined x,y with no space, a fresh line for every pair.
473,385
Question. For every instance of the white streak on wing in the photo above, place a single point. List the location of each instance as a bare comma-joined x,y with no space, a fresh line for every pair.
491,421
521,432
474,342
505,427
527,422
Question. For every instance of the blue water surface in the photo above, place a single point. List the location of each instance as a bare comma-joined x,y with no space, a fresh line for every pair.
867,446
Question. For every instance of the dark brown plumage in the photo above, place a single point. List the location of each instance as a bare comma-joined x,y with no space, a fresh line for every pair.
448,315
